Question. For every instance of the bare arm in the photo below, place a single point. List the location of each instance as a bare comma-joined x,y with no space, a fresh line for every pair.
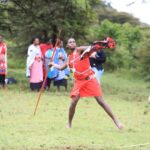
58,66
82,48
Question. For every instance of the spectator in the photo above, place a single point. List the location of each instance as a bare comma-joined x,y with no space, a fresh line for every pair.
96,61
3,62
46,48
62,75
35,65
47,58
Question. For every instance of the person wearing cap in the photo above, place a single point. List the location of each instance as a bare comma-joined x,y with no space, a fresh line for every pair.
85,83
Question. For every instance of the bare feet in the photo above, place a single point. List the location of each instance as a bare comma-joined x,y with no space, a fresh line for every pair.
68,125
120,126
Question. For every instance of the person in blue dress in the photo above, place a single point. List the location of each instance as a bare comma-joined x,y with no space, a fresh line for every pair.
59,77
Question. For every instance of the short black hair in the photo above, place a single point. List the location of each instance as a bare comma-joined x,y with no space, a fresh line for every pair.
33,39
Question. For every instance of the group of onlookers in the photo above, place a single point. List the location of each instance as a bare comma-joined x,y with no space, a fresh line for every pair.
38,58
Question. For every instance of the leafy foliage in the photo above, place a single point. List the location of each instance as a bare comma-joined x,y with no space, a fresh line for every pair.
45,18
143,55
127,37
104,11
83,19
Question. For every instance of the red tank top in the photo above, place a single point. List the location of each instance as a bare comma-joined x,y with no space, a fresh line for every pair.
81,68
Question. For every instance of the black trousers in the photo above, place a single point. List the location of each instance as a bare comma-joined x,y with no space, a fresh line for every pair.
36,86
2,79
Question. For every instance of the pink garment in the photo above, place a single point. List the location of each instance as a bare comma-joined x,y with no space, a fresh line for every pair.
3,59
36,71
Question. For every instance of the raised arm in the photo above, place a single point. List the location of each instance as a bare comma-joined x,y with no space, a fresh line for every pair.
97,46
82,48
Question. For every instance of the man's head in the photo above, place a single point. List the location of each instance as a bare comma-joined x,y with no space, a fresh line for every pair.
1,39
71,44
48,41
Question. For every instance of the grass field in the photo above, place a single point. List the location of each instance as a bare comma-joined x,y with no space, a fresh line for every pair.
92,128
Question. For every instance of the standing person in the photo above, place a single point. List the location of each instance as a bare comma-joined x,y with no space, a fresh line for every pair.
46,46
3,62
58,76
46,49
85,83
96,61
62,75
47,58
35,65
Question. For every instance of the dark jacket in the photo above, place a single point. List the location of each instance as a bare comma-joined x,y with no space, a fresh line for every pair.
100,59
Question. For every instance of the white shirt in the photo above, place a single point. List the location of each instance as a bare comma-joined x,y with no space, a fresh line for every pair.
33,50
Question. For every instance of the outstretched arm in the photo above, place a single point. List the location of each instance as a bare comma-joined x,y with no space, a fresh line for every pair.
98,46
82,48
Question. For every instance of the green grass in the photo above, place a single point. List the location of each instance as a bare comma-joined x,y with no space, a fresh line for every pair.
92,128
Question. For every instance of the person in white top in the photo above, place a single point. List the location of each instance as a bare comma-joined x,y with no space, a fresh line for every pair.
34,69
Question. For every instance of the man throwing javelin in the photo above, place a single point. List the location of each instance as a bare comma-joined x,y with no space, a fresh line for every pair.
85,83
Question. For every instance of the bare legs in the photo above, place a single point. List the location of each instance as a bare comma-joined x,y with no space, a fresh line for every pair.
72,108
100,101
108,110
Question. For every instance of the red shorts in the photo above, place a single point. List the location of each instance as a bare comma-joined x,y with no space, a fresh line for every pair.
86,88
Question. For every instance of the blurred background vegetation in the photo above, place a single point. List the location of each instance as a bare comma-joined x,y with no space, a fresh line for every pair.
86,21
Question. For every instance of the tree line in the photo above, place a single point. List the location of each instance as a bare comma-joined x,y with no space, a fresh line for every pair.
86,20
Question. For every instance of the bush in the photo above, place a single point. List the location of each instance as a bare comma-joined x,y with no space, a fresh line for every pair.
126,37
120,58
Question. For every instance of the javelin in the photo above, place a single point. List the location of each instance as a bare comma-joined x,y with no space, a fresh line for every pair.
51,59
